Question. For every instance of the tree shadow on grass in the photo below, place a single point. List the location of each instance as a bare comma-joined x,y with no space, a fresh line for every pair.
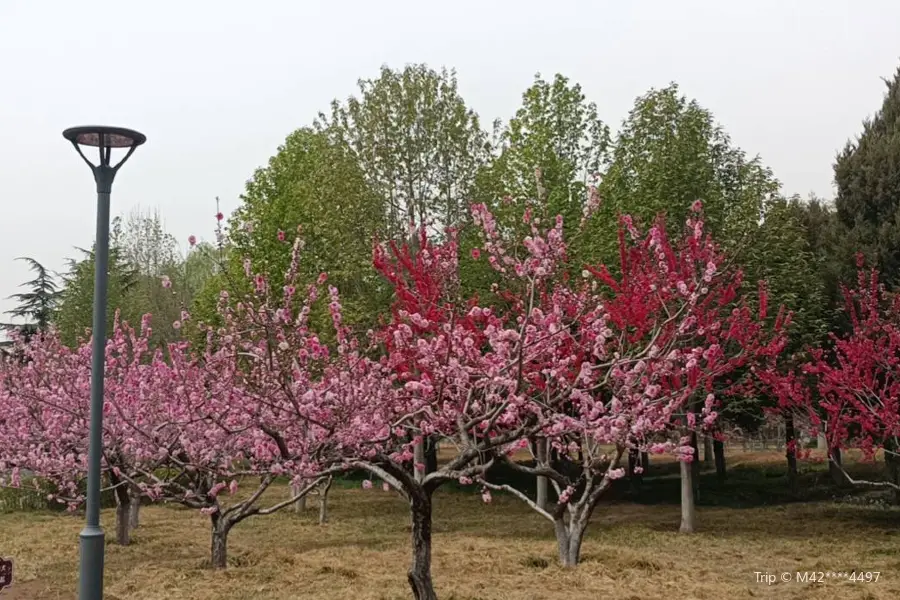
748,486
653,503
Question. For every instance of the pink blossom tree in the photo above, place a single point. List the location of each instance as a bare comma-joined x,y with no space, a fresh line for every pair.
44,394
189,426
292,404
259,402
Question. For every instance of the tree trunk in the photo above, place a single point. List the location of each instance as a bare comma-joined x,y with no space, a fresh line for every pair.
134,516
420,571
557,461
695,466
790,439
219,550
719,454
123,513
431,454
569,536
323,501
419,461
892,464
542,482
123,525
834,467
707,449
634,477
645,461
300,504
821,442
687,499
893,473
895,478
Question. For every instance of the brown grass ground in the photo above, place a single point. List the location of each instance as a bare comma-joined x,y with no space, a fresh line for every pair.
496,552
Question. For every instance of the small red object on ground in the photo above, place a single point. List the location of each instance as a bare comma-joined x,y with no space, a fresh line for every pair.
6,571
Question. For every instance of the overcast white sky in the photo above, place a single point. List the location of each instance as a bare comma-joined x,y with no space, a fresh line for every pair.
217,85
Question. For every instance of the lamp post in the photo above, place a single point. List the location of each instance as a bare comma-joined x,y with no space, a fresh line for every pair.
90,580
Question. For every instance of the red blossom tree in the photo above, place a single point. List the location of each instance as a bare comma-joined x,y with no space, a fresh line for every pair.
623,359
856,379
455,373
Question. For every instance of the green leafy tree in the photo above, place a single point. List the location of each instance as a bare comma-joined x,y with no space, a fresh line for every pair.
74,313
152,254
142,256
830,246
74,310
146,244
315,183
549,150
419,146
783,256
867,174
199,267
671,152
545,157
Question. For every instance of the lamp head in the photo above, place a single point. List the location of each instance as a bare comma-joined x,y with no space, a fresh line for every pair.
104,139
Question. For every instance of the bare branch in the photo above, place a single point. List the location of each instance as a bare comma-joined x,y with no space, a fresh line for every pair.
520,495
541,471
305,491
863,482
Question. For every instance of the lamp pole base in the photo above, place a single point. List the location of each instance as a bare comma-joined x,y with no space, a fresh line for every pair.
90,580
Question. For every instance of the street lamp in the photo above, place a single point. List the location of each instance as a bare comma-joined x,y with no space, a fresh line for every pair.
90,581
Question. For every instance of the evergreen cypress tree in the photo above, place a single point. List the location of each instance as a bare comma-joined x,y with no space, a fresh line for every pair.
867,174
36,306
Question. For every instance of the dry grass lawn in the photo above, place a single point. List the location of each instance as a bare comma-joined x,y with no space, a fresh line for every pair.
500,551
